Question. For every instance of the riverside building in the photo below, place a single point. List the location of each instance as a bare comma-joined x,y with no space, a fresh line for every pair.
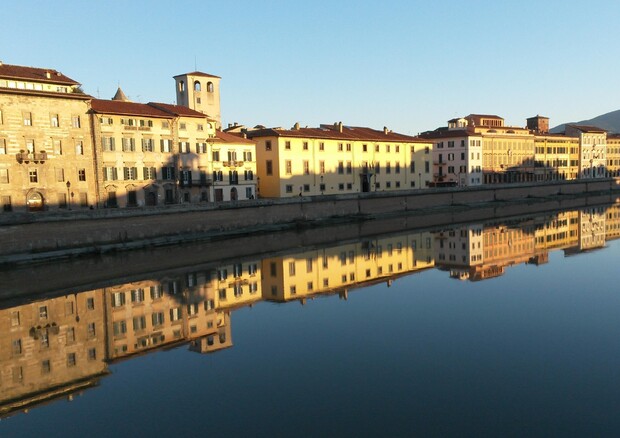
46,152
338,159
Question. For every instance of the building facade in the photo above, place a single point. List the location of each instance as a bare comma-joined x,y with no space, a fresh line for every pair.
47,159
337,159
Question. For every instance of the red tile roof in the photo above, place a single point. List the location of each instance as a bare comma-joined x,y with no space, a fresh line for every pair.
448,133
353,133
101,106
233,138
198,73
177,110
8,71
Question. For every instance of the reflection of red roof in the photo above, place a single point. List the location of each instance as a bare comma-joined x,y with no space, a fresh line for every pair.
332,132
198,73
233,138
177,110
34,74
127,108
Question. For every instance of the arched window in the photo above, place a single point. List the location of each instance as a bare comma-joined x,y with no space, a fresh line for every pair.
181,86
210,87
197,86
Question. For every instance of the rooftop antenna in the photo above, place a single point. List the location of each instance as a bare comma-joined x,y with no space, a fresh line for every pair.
98,94
195,68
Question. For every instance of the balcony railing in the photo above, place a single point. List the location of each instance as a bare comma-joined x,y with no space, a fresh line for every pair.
232,163
36,158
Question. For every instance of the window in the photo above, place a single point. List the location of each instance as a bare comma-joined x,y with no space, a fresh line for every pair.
71,361
349,168
58,147
182,126
184,147
118,299
247,156
149,173
2,146
201,148
321,146
4,176
46,367
79,148
348,147
306,187
90,330
340,147
90,303
137,295
108,144
305,145
54,120
341,167
306,167
17,347
387,148
397,168
269,167
130,173
322,167
110,173
167,173
157,319
268,145
92,354
289,188
148,145
165,145
27,116
139,323
75,122
129,144
388,167
248,175
165,124
287,145
81,174
33,175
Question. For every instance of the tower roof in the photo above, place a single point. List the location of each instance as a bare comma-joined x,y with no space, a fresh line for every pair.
120,96
197,73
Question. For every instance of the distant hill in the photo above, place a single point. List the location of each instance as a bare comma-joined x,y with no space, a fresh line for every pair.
609,122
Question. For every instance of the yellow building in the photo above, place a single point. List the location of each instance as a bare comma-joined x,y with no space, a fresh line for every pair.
556,157
46,152
340,268
337,159
613,155
51,348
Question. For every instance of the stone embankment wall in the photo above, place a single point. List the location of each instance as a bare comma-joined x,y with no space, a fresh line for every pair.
38,236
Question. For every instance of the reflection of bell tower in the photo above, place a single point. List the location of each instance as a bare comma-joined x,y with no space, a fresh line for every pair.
201,92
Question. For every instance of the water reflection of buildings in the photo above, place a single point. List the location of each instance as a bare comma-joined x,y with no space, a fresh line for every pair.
338,269
61,345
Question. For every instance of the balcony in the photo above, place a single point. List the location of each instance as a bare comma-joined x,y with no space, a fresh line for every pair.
36,158
232,163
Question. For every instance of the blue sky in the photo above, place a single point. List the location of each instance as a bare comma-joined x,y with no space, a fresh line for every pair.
408,65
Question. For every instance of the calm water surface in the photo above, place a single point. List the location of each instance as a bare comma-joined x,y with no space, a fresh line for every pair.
516,337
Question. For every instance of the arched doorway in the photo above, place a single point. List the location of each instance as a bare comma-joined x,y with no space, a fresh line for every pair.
233,194
35,201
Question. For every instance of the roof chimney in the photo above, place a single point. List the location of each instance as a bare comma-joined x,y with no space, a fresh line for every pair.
48,75
236,124
230,125
0,62
385,130
296,126
339,126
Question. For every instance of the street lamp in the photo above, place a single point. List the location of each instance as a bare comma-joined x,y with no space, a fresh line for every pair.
68,195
